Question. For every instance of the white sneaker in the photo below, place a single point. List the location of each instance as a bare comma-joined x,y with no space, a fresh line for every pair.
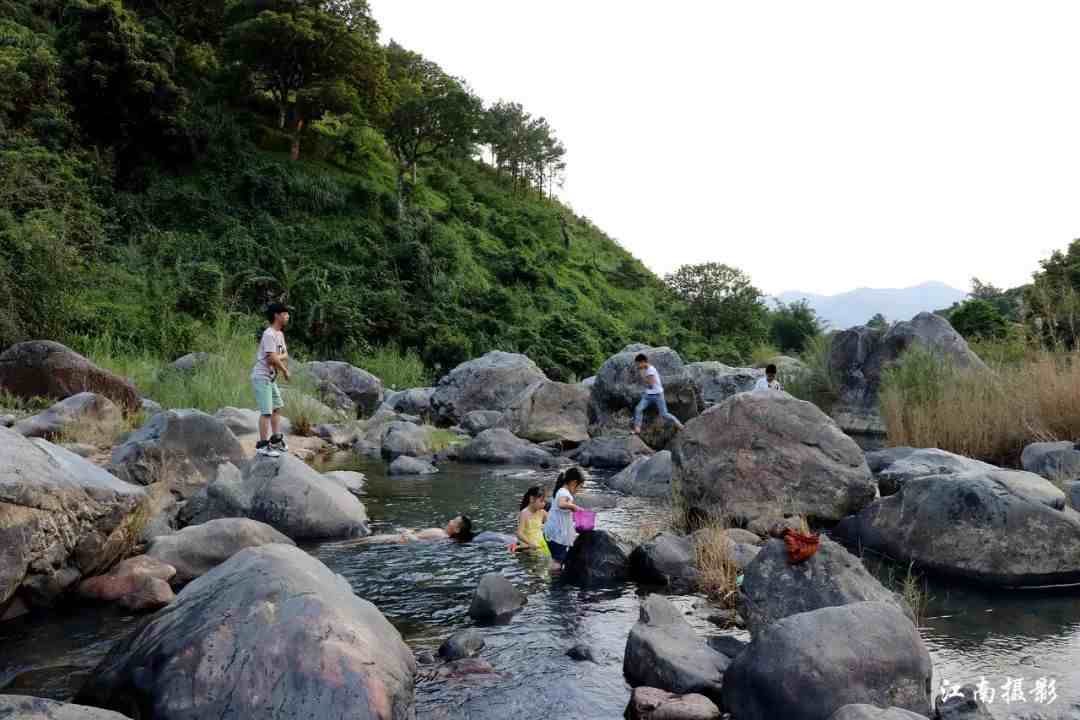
281,445
267,451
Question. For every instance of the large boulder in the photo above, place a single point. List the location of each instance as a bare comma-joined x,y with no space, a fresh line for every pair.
43,368
181,447
892,467
491,382
351,480
611,452
772,588
478,421
270,633
198,549
406,465
500,446
808,666
192,362
757,456
597,557
646,476
718,381
139,583
85,408
667,560
664,651
21,707
549,411
345,387
414,401
619,386
1055,461
495,598
61,519
859,357
1000,527
286,494
404,438
245,421
648,703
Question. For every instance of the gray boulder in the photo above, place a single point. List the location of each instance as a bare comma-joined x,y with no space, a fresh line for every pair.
664,651
619,386
647,476
491,382
597,558
270,628
612,452
758,456
61,519
495,598
462,644
808,666
163,512
718,381
349,479
245,421
873,712
998,527
43,368
648,703
405,439
965,706
667,560
85,408
549,410
181,447
1058,462
414,401
478,421
149,407
198,549
406,465
773,589
1072,492
192,362
859,357
345,387
286,494
7,421
21,707
500,446
892,467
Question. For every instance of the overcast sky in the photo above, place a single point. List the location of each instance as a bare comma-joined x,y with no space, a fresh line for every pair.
820,146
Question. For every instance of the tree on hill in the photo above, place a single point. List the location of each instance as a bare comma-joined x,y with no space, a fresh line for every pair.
878,322
722,304
977,319
793,325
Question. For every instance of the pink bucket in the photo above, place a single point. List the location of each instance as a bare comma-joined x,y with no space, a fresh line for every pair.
584,520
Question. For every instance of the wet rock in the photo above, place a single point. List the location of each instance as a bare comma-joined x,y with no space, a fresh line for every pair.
337,434
61,519
425,657
549,410
872,712
727,645
43,368
126,578
773,589
581,653
1058,462
859,357
648,703
491,382
496,538
467,668
478,421
667,560
181,447
500,446
462,644
757,455
648,476
85,408
966,706
612,452
286,494
405,465
244,421
349,479
495,598
998,527
892,467
198,549
271,627
345,387
718,381
404,439
21,707
807,666
596,558
619,386
664,652
149,595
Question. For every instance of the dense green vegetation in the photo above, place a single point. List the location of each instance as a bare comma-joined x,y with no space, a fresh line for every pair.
167,164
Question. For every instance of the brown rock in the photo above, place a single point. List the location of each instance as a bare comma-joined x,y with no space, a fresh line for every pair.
150,594
649,703
43,368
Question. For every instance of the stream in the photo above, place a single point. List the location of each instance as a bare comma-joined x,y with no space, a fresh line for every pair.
425,590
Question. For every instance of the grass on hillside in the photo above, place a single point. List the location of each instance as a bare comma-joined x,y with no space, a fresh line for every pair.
817,384
992,416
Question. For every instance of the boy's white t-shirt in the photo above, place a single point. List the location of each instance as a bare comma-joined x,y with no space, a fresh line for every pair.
658,388
272,341
764,384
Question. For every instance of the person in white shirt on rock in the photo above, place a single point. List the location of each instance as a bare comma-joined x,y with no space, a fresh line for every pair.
653,395
769,382
271,360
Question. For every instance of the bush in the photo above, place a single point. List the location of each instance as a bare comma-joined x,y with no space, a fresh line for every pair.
399,370
817,384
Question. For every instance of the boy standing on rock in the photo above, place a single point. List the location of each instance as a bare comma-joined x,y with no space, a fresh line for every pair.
769,382
271,358
653,395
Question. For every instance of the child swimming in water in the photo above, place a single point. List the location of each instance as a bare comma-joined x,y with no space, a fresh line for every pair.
530,530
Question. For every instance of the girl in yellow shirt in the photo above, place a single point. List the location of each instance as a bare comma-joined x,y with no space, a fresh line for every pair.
530,530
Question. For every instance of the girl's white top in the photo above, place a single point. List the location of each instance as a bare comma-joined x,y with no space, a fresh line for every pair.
559,527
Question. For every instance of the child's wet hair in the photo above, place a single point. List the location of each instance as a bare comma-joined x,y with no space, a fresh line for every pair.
534,492
570,475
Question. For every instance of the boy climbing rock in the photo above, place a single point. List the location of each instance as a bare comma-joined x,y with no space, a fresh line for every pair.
653,395
272,357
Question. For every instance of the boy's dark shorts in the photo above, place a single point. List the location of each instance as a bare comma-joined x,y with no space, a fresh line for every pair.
558,552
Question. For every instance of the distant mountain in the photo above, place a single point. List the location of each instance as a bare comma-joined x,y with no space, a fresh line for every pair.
857,306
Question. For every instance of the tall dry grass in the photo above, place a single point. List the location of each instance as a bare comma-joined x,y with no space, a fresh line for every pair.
992,416
716,564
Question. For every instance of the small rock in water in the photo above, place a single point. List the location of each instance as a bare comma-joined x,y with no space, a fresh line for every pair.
1027,660
462,644
966,706
581,653
426,657
467,667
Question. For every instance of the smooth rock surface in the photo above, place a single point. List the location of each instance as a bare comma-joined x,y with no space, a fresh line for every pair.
500,446
646,476
491,382
406,465
478,421
549,410
892,467
85,408
462,644
21,707
198,549
245,421
43,368
414,401
648,703
667,560
495,598
611,452
351,480
718,381
1058,462
596,558
405,439
345,387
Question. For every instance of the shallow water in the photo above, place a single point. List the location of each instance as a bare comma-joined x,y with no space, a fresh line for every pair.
425,590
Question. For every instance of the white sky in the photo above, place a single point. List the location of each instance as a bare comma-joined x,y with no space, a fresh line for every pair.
819,146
